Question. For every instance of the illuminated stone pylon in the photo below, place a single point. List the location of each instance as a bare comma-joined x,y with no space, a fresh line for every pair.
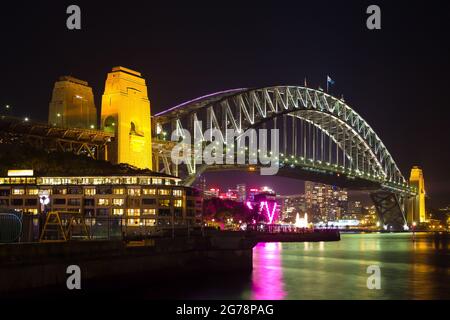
72,104
416,208
126,112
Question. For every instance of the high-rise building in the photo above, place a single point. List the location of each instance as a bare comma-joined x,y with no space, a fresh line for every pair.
242,192
126,112
72,104
200,183
291,205
324,202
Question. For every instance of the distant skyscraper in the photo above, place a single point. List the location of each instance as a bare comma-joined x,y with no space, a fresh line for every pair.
72,104
291,206
201,183
324,202
242,192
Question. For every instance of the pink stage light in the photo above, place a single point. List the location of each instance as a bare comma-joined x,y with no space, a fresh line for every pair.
249,205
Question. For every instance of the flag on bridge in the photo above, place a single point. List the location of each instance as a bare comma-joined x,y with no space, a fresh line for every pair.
330,82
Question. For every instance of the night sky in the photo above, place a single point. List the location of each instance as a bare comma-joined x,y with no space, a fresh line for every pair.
397,78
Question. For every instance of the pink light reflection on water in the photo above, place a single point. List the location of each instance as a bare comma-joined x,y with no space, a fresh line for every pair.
267,276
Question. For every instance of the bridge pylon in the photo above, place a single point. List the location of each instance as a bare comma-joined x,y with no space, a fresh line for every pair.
416,211
126,113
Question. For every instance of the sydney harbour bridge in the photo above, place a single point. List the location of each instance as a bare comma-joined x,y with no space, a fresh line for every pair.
321,139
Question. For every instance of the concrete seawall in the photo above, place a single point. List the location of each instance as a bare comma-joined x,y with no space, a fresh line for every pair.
34,265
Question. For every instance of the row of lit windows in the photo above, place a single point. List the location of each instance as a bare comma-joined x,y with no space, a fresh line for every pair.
19,192
121,202
133,212
116,191
89,181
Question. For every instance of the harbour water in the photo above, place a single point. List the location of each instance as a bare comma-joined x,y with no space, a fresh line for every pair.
410,269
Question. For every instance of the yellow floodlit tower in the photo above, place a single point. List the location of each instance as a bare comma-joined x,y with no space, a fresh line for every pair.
417,210
126,112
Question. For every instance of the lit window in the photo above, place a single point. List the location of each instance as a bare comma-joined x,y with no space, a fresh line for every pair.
149,211
17,192
164,203
103,202
149,222
32,192
118,202
118,191
178,203
134,192
118,212
89,191
177,193
157,181
132,180
149,191
134,212
31,211
163,192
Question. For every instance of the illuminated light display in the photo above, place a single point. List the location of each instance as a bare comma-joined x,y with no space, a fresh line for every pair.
301,222
270,215
264,207
20,173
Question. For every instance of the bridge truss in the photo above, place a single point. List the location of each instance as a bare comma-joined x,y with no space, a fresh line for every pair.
91,143
319,134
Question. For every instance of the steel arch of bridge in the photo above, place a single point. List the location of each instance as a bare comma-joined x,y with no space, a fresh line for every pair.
362,151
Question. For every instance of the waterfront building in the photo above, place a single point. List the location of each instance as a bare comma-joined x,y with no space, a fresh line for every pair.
325,202
126,113
145,199
72,104
355,208
291,205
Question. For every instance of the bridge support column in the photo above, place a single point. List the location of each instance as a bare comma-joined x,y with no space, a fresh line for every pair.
416,205
390,209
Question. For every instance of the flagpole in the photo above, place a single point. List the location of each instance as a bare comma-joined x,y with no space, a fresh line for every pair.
327,83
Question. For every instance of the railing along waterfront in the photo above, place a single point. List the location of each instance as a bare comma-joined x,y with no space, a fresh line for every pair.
35,228
280,228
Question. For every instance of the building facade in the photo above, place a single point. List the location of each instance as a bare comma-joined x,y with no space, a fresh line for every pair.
325,202
142,200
